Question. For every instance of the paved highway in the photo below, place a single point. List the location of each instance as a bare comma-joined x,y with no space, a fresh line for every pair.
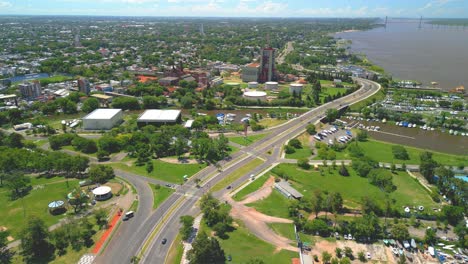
164,221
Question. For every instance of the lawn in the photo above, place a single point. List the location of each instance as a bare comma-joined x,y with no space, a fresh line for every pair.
285,230
236,174
382,151
174,256
160,194
247,141
243,246
275,204
164,171
35,203
380,95
252,187
303,152
409,192
271,122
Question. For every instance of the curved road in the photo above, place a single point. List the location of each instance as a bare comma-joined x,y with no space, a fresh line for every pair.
164,221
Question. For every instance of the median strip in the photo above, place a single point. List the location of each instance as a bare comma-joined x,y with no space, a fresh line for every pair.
158,227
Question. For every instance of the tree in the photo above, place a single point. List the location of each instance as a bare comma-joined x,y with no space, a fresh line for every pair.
317,226
336,202
18,184
101,217
430,237
14,140
362,135
338,252
399,152
311,129
101,173
400,232
149,167
61,241
35,245
90,105
343,170
427,166
303,163
332,114
348,252
295,143
187,226
462,232
453,214
5,253
206,250
361,256
326,257
126,103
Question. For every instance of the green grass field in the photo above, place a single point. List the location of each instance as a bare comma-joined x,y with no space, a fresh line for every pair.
236,175
15,213
304,152
247,141
243,246
252,187
271,122
382,151
174,256
380,95
408,193
164,171
160,195
275,204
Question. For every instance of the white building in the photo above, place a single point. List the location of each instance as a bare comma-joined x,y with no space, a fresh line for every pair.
159,117
102,119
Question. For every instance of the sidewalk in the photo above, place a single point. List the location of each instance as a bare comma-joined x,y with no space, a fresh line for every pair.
188,244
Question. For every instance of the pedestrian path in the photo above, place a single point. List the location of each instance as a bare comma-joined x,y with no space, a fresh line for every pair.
107,233
188,244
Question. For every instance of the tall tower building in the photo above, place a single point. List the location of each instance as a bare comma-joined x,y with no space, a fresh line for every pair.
30,90
267,65
83,86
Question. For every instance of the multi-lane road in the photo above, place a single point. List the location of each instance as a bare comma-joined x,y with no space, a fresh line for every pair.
143,234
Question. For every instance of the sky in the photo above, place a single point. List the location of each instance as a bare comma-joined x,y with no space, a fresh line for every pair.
241,8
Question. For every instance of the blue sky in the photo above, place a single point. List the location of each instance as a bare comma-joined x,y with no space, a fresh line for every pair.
241,8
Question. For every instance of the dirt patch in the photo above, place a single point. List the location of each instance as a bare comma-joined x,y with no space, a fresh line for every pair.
116,187
378,252
3,228
179,161
261,193
10,238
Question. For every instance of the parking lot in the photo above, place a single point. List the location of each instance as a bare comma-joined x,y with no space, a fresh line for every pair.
331,134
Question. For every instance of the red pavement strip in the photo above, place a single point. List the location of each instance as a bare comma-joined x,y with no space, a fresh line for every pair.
106,234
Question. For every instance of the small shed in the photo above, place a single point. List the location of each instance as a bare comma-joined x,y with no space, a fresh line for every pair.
287,190
56,207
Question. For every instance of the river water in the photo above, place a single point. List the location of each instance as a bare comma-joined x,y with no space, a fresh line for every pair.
432,53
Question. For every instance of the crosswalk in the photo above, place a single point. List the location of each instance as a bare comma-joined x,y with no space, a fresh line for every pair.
87,259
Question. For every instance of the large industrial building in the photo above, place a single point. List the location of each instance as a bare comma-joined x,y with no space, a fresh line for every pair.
159,117
250,72
102,119
267,65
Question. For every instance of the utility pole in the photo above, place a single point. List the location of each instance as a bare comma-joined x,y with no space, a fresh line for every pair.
420,23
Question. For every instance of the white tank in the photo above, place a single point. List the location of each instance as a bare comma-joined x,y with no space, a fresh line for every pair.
271,85
253,84
233,84
295,88
255,95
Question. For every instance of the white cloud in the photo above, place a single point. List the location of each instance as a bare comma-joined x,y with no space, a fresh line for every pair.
335,12
5,4
435,4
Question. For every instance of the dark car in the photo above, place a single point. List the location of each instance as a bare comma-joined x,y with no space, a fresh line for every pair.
229,187
164,241
229,258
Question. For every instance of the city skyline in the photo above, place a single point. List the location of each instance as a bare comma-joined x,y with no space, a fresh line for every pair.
239,8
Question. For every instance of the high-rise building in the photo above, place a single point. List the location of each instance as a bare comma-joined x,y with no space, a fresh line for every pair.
83,86
267,65
30,90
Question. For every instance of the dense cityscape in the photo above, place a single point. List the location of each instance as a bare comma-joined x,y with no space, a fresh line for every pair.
222,139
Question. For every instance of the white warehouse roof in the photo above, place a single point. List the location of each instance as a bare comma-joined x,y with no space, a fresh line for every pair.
157,115
102,113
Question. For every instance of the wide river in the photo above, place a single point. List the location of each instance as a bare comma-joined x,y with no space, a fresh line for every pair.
432,53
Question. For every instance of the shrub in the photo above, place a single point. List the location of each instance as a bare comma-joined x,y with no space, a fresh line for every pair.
399,152
289,149
295,143
303,163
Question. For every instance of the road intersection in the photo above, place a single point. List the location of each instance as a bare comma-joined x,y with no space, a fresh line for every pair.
142,235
